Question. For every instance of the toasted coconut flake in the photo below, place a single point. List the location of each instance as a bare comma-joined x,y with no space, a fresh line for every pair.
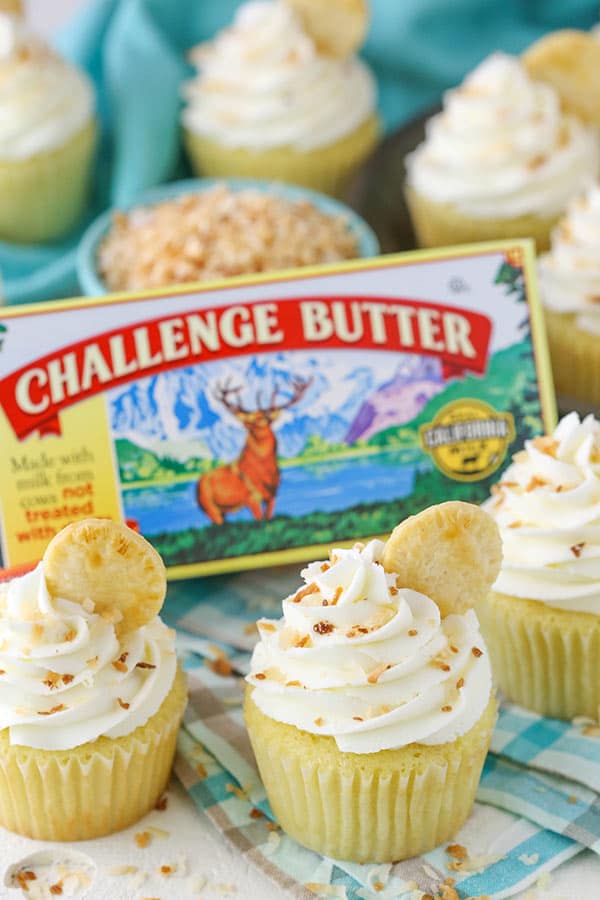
123,870
534,482
306,591
374,676
220,666
546,444
577,548
50,712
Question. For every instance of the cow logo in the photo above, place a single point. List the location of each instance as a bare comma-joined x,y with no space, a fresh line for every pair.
468,439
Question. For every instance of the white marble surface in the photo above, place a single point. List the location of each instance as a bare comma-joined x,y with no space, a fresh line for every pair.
211,871
212,868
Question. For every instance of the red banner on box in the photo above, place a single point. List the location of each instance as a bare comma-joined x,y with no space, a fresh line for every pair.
33,396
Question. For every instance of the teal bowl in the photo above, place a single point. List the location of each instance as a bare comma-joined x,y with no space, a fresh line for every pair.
87,273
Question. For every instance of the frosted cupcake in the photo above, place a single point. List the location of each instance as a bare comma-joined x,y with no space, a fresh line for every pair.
500,161
90,694
542,620
267,103
369,713
47,137
570,290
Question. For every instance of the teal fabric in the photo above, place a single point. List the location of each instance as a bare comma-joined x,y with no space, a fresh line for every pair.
134,50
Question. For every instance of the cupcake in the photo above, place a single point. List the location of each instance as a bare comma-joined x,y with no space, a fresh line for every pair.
542,619
369,704
500,161
47,137
91,696
268,103
570,289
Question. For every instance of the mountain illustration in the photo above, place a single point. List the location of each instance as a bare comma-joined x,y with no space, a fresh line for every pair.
398,401
180,413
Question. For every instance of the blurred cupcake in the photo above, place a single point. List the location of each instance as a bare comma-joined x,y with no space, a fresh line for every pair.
47,137
92,697
500,161
369,704
570,290
541,622
268,103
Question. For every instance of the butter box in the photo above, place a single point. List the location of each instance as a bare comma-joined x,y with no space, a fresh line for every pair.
259,420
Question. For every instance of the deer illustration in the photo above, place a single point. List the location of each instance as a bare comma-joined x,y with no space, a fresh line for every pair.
253,478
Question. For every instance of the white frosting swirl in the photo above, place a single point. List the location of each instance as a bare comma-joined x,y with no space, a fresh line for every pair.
65,678
262,84
43,100
367,662
547,507
501,146
570,273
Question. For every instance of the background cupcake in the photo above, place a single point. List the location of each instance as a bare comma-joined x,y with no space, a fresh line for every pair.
500,161
369,713
267,103
47,137
542,620
570,290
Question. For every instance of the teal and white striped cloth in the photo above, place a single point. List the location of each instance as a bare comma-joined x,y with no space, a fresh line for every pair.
540,784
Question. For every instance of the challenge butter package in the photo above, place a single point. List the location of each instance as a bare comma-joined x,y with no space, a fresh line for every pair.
248,422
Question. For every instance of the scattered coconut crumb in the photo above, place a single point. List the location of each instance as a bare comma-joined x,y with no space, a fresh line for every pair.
327,890
457,851
272,843
238,791
142,839
196,883
220,666
529,859
123,870
161,833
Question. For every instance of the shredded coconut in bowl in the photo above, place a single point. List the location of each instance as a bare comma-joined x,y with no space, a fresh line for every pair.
219,233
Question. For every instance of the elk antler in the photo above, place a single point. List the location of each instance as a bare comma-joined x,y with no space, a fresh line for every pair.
299,385
223,391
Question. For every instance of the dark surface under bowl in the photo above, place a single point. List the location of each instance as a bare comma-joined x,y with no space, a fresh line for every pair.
377,192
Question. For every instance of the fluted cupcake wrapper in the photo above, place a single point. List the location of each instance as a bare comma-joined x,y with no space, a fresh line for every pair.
443,224
95,789
43,197
543,658
575,357
326,169
376,807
